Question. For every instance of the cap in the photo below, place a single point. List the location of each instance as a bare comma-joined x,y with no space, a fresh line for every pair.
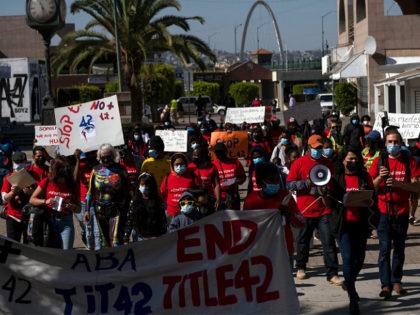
315,141
187,195
19,157
373,134
220,146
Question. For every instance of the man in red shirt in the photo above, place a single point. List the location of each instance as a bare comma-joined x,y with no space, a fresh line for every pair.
395,175
313,208
38,169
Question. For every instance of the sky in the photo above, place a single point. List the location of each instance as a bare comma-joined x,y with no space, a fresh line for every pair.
299,21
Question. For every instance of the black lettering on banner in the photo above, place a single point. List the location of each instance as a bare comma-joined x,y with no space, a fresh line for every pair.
10,285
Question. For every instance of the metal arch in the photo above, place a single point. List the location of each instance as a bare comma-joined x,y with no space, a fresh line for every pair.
276,28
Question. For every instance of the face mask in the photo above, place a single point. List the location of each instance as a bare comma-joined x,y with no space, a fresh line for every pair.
366,122
393,149
187,208
18,166
136,137
271,189
153,153
190,130
207,118
354,121
328,152
180,169
258,160
195,146
40,161
316,153
284,141
143,189
351,166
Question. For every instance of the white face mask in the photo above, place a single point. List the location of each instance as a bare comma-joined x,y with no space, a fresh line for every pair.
19,166
365,122
187,208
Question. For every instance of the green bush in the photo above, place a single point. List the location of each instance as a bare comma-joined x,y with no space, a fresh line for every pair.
179,89
159,83
111,87
207,88
243,92
298,88
345,96
77,94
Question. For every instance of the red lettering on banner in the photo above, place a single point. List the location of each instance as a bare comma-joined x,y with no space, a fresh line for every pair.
224,283
183,243
171,281
262,294
65,131
244,280
93,106
237,226
208,300
74,109
214,238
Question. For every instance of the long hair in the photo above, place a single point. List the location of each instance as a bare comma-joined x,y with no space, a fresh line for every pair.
61,168
353,149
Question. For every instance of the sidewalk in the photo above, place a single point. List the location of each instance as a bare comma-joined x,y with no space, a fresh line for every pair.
316,296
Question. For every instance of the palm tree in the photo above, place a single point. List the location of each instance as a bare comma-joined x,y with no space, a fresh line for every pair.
143,32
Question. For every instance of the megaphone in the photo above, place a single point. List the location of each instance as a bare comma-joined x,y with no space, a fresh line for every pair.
320,175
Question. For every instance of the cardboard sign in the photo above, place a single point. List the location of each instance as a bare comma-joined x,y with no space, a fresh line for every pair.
87,126
174,140
409,124
46,135
231,262
235,141
21,178
251,115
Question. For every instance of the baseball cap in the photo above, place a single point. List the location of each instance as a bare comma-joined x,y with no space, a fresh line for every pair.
19,157
373,134
315,141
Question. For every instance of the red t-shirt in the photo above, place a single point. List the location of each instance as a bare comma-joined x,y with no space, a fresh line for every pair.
174,185
207,174
300,171
254,182
15,205
352,183
38,173
254,201
230,169
132,173
57,189
274,137
85,174
397,170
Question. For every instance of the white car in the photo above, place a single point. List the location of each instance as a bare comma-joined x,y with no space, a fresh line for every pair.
219,109
326,101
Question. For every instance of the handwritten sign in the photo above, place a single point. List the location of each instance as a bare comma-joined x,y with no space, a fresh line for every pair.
46,135
409,124
252,115
86,126
174,140
235,141
222,264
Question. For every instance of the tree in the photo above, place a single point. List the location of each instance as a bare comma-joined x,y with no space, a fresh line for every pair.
345,96
144,31
243,92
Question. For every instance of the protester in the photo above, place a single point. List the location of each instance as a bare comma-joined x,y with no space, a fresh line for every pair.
128,162
187,214
395,175
312,206
109,192
292,101
146,214
174,112
373,148
38,169
157,164
258,155
15,198
350,225
58,194
367,127
285,142
353,132
231,175
137,144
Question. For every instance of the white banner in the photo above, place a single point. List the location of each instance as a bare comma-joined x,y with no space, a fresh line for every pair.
174,140
86,126
232,262
46,135
251,115
409,124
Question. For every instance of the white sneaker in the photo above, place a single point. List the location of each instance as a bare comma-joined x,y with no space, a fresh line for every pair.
301,274
336,281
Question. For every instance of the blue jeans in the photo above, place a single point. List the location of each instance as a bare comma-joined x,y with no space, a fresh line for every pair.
328,244
389,238
352,243
89,231
65,227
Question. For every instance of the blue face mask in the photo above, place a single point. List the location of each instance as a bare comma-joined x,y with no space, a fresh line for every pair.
153,153
316,153
393,149
354,121
258,160
271,189
180,169
195,146
190,130
187,208
284,141
143,190
328,152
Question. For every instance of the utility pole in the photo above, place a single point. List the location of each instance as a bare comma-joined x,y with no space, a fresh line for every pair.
117,47
322,32
236,51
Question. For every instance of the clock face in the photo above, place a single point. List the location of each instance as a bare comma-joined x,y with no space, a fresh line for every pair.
42,10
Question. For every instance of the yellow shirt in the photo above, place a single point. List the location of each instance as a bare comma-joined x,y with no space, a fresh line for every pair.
158,168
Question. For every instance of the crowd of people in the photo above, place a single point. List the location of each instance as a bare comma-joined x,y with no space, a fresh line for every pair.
139,191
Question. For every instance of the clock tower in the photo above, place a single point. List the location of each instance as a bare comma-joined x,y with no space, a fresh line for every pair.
46,16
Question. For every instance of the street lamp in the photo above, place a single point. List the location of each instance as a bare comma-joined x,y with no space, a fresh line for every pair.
322,30
258,37
117,46
210,37
235,28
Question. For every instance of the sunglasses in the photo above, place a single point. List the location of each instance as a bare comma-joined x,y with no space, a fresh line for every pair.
186,202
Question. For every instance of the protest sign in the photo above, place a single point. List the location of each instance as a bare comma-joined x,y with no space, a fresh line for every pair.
174,140
251,115
409,124
46,135
222,264
235,141
86,126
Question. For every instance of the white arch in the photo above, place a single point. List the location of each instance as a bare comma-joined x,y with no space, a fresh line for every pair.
276,28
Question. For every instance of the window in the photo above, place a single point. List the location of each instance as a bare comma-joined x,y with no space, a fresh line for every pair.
360,10
341,17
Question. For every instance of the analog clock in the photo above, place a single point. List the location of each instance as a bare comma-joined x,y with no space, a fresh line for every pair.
42,11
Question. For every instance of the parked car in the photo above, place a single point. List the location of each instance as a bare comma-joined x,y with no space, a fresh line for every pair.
325,101
188,103
219,109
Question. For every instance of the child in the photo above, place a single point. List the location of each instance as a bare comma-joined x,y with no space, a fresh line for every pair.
189,212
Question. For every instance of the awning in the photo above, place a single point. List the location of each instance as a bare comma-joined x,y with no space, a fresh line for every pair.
402,77
355,67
